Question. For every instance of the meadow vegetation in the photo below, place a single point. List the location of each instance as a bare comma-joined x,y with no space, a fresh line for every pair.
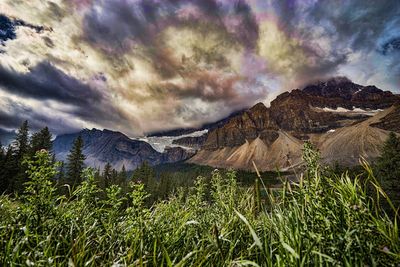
324,219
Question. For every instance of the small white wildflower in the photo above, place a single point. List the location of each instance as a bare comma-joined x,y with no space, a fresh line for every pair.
191,222
29,263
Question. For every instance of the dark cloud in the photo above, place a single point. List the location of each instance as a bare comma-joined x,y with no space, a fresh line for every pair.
350,26
17,113
247,30
115,25
390,46
45,82
358,22
8,27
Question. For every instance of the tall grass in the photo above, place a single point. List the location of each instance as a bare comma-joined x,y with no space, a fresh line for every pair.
322,220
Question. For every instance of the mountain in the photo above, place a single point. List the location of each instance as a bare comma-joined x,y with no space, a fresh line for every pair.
329,113
187,131
343,119
116,148
347,144
195,142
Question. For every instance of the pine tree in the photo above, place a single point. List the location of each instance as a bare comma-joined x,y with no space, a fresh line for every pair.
122,178
61,172
41,140
164,187
8,170
146,175
3,181
22,140
114,176
75,163
107,175
2,153
388,167
21,149
97,177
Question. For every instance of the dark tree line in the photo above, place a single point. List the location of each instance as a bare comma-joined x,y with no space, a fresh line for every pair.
388,168
12,159
13,167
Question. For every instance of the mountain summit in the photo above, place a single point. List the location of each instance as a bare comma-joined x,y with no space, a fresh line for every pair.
313,113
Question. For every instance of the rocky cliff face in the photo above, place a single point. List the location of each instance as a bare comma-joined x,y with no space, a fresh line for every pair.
176,154
194,142
246,126
294,117
116,148
391,122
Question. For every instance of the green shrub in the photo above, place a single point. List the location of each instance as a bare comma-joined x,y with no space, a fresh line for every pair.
322,219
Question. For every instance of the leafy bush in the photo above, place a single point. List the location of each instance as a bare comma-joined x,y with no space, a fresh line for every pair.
323,219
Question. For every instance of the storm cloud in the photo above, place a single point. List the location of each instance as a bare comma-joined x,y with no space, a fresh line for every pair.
47,83
145,65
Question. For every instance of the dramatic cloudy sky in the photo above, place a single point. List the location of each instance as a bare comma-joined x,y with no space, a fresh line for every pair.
144,65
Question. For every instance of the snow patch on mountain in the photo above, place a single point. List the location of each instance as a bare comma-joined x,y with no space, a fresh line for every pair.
160,143
368,112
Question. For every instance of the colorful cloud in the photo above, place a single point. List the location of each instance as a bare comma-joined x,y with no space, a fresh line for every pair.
145,65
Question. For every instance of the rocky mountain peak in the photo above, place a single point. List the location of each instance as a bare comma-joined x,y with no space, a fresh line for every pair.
302,112
106,146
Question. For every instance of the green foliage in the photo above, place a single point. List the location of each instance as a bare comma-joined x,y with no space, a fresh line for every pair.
75,163
145,174
12,168
324,219
107,175
41,140
22,140
39,193
388,167
22,148
8,171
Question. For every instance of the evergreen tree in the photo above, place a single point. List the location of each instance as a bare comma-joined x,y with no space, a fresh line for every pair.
388,167
122,178
3,181
164,187
114,176
145,174
41,140
97,177
2,153
21,142
8,170
75,163
107,175
61,172
123,175
21,150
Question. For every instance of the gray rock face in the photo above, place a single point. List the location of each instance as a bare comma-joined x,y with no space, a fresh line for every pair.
116,148
195,142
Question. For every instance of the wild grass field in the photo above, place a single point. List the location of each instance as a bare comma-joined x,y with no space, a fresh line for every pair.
323,219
